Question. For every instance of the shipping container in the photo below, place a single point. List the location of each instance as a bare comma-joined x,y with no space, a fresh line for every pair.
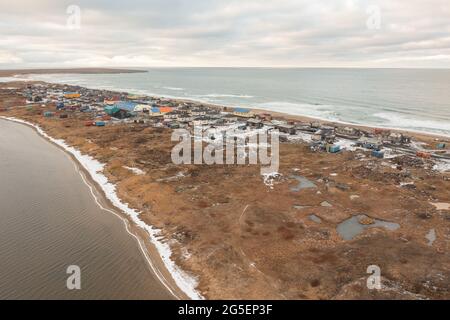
333,148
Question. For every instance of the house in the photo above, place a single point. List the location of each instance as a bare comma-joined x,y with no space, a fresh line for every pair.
369,143
71,95
121,109
255,123
200,121
154,111
126,105
398,138
348,133
184,117
325,134
264,116
173,125
315,125
165,109
197,112
286,128
142,108
171,115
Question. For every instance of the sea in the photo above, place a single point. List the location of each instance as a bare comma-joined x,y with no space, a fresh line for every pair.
411,99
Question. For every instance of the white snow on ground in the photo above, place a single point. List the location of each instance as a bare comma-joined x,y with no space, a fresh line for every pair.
269,178
390,153
346,144
442,165
306,137
185,282
135,170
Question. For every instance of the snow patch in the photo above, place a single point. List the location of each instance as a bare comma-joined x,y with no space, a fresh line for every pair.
137,171
442,165
269,178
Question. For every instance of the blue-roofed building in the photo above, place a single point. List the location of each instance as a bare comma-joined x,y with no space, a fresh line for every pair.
242,112
155,110
121,109
125,105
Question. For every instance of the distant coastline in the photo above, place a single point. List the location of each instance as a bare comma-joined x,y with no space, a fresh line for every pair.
15,72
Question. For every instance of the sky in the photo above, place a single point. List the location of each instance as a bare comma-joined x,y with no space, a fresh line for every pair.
225,33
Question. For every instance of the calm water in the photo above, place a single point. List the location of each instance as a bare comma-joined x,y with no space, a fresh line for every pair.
49,220
414,99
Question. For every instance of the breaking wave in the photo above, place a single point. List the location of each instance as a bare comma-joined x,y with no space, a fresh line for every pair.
398,121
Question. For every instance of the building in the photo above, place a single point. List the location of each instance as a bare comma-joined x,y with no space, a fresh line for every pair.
369,143
71,95
142,108
348,133
286,128
121,109
398,138
255,123
165,109
242,112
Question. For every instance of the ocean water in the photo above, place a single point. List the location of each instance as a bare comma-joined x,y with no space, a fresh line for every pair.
413,99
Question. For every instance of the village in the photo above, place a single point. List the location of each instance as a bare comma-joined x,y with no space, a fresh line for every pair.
302,233
102,108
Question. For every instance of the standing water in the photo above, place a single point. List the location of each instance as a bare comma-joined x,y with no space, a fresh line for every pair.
49,220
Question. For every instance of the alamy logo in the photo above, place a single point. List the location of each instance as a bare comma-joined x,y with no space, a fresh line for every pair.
232,146
374,280
74,280
74,19
374,20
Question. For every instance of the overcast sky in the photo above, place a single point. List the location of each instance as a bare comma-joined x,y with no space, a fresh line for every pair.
269,33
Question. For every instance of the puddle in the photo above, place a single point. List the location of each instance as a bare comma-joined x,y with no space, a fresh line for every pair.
350,228
326,204
441,205
314,218
431,237
303,183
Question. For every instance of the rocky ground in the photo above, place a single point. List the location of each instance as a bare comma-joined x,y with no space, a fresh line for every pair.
246,240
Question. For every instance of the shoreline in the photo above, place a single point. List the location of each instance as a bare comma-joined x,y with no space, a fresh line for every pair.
180,284
18,72
422,135
250,257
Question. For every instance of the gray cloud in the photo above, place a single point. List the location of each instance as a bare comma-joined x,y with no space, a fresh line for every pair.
413,33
